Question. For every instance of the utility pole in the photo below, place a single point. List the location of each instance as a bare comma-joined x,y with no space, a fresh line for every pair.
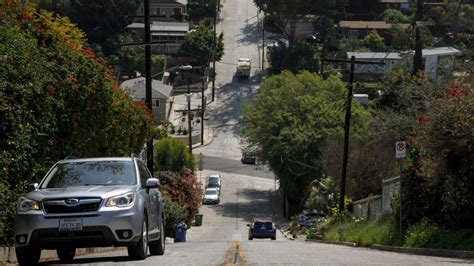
190,140
347,121
214,52
203,102
263,43
148,81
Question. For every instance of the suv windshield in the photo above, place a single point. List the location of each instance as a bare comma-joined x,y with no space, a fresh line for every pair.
213,179
106,173
211,192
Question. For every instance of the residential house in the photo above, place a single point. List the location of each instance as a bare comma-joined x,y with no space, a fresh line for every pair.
165,10
359,29
159,96
390,60
437,61
171,34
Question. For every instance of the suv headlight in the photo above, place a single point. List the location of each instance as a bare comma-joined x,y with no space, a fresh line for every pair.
25,205
124,200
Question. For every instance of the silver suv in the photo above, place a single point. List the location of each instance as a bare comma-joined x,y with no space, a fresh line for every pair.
93,202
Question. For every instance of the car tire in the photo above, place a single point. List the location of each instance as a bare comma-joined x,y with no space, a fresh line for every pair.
250,238
140,250
27,255
274,238
66,254
158,247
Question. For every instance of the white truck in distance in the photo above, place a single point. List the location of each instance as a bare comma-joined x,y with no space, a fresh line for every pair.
243,68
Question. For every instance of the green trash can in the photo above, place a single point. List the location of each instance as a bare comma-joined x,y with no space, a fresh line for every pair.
198,220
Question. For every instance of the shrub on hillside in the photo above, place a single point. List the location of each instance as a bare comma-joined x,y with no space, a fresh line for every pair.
174,214
172,155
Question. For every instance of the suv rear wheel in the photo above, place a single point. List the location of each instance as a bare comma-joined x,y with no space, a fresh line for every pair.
140,250
158,247
66,254
28,256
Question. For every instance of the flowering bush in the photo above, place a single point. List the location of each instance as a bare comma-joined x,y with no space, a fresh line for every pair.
184,189
438,178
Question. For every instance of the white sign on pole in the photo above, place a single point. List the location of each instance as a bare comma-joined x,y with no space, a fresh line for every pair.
400,149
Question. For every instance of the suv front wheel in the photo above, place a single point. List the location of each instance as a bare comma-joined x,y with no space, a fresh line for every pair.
158,247
28,256
140,250
66,254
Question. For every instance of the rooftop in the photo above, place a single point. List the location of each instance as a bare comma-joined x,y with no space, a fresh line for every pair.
378,25
179,2
160,26
373,55
137,88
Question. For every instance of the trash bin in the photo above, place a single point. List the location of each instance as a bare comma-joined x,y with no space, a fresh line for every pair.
180,232
198,219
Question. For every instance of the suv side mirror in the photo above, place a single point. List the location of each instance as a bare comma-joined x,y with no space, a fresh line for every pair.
33,186
152,183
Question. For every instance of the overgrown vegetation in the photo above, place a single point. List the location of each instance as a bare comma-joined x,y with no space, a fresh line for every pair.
386,232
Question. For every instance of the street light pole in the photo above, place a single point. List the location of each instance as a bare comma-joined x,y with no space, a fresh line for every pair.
214,53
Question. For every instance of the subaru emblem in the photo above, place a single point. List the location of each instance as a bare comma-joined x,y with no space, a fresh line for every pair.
71,202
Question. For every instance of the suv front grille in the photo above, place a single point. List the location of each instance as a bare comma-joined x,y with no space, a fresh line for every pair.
78,205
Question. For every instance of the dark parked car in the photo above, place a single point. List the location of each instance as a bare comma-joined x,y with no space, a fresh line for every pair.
310,217
262,228
248,158
92,202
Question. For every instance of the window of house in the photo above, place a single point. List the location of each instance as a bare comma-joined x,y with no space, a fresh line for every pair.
354,33
157,103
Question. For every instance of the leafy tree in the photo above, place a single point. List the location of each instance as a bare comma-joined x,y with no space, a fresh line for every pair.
285,13
172,155
289,121
199,45
131,59
374,41
102,21
394,16
200,9
349,44
298,56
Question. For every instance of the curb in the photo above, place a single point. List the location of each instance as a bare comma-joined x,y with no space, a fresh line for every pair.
447,253
460,254
341,243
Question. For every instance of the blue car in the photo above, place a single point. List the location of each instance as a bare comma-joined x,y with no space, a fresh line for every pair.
262,228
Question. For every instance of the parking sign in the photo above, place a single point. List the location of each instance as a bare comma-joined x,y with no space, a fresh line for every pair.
400,149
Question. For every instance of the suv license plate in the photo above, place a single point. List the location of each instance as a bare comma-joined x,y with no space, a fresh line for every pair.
70,224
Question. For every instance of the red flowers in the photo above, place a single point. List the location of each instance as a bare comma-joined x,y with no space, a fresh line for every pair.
422,119
455,91
410,141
